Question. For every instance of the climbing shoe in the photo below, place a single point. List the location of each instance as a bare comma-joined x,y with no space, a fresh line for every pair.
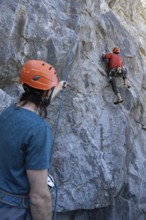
127,86
118,101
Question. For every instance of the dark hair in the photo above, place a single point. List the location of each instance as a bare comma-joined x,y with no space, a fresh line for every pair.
35,96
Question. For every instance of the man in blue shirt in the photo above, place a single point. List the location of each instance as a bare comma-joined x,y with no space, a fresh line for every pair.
25,147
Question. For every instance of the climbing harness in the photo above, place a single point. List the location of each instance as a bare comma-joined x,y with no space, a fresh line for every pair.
117,72
19,201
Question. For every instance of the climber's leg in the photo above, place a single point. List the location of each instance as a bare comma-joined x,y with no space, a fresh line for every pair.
119,99
115,90
126,84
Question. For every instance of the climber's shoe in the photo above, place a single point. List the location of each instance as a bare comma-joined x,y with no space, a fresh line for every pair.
118,101
127,86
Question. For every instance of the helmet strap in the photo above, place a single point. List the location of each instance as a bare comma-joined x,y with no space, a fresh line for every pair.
48,94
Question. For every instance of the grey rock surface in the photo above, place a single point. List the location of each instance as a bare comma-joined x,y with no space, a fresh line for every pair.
99,155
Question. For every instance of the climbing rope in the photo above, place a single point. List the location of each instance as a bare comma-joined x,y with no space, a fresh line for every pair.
61,105
64,78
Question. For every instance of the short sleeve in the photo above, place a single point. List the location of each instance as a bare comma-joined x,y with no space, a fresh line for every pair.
38,149
108,55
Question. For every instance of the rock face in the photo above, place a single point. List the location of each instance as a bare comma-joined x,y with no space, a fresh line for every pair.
99,155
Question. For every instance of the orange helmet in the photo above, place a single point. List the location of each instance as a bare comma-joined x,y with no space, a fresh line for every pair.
116,50
39,75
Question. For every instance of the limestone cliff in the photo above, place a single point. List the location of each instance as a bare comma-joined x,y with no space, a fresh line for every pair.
99,157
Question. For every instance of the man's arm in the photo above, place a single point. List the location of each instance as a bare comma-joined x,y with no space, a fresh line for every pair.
40,197
107,55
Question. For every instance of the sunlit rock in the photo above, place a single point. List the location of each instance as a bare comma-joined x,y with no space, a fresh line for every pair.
99,156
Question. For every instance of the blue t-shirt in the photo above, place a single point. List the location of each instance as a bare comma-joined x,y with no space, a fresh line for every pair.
25,143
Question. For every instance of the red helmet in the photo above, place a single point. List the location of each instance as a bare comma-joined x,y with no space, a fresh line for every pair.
39,75
116,50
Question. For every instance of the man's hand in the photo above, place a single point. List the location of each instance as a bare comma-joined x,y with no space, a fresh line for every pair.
63,84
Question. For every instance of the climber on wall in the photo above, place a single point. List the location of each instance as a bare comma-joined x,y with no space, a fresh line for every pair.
25,146
116,69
